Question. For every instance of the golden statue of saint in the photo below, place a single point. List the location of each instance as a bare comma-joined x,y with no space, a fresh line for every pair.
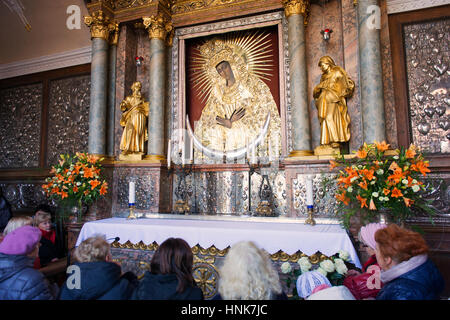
238,102
134,121
330,94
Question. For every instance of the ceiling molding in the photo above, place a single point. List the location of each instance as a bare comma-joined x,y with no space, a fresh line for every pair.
45,63
397,6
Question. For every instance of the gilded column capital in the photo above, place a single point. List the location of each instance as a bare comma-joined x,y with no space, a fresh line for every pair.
159,28
114,39
292,7
100,25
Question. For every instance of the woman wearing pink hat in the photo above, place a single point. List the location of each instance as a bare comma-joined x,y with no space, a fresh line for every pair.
18,279
367,284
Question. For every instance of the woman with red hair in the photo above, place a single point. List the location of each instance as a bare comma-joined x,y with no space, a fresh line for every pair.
407,273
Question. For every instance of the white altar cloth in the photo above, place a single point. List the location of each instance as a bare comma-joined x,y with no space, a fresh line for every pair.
273,236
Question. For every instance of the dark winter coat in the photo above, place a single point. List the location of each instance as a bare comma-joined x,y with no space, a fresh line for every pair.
421,283
164,287
19,281
98,281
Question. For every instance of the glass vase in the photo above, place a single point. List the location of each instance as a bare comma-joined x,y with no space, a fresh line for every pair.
71,211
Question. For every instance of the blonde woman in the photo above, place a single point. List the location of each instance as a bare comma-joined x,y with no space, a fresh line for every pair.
17,222
49,251
248,274
100,278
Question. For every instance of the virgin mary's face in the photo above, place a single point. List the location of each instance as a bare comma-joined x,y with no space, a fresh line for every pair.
224,70
324,66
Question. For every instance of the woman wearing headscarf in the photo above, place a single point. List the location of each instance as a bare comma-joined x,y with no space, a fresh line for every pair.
313,285
367,284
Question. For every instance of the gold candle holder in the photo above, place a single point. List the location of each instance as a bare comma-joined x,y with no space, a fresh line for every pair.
310,220
131,215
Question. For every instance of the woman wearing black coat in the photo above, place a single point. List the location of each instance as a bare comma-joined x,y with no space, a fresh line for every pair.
171,274
94,276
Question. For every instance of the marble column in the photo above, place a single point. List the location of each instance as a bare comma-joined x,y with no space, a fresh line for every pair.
371,83
100,29
296,12
111,93
160,33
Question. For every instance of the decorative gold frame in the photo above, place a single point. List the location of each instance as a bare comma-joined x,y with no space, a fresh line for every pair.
219,28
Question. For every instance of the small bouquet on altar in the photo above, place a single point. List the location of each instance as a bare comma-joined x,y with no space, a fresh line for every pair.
375,184
76,181
334,268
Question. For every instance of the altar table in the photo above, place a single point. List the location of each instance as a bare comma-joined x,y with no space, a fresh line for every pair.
272,236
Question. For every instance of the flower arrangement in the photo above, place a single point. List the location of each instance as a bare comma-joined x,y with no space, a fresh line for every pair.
334,268
374,182
76,179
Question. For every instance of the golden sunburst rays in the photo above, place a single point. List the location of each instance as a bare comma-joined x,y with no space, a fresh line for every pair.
254,48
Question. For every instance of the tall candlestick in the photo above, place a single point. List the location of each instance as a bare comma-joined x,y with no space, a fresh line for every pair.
309,192
131,192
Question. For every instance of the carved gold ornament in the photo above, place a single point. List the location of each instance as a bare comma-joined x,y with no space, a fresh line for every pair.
159,27
292,7
206,276
100,25
114,35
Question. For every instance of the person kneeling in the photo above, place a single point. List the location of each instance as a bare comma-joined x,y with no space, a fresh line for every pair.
99,277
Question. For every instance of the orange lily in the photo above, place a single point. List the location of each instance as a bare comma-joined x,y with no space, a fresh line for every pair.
92,159
75,189
382,146
345,181
94,183
363,184
77,169
386,191
362,154
408,202
421,167
393,166
104,188
411,152
397,176
88,173
64,194
362,200
396,193
341,197
367,173
333,164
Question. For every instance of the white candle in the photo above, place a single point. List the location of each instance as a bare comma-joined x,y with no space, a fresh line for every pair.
169,156
183,152
131,192
309,191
